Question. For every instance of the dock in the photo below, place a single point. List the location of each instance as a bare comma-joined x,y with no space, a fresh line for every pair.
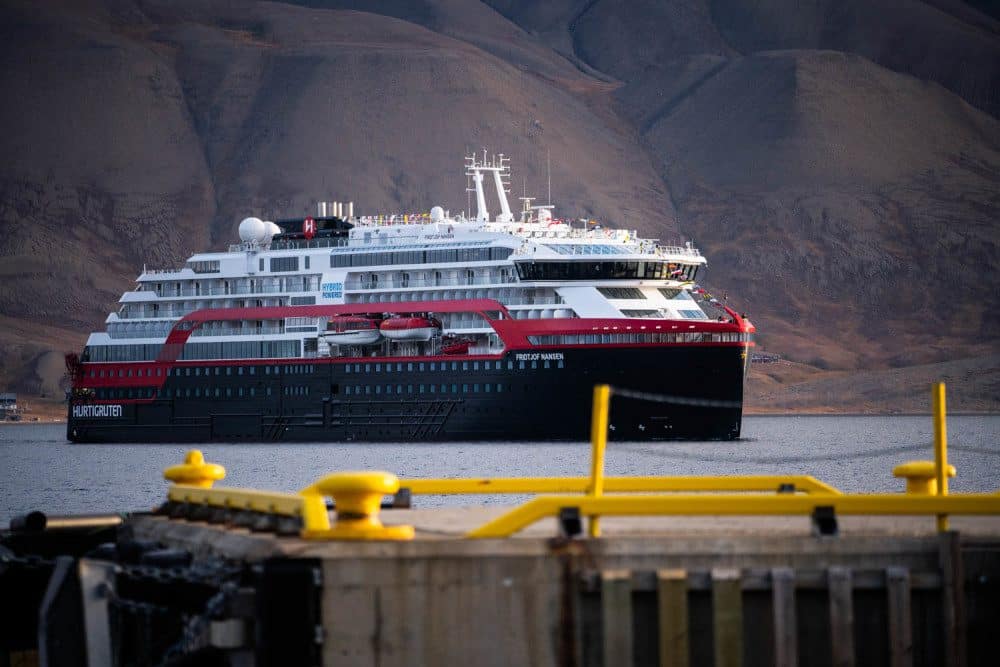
351,570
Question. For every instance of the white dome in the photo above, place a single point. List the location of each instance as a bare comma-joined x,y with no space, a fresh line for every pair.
271,229
437,214
544,215
253,229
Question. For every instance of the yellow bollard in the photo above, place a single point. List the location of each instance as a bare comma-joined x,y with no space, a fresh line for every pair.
194,471
921,476
357,498
599,441
940,449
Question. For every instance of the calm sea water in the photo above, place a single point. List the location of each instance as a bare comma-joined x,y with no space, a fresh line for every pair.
39,469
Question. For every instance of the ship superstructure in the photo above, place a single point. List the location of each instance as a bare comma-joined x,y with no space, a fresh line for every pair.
337,289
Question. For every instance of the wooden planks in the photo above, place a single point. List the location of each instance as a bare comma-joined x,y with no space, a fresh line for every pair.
841,590
897,583
616,607
672,603
727,617
786,651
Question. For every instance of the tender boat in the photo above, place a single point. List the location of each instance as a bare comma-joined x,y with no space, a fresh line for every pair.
410,328
352,331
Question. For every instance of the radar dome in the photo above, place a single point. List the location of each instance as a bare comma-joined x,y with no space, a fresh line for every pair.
253,229
437,214
271,229
544,215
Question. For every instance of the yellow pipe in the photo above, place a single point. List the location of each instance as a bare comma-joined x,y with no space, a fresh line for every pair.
738,505
940,449
599,442
501,485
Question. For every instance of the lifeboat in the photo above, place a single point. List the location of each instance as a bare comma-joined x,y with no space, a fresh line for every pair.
452,345
410,328
352,331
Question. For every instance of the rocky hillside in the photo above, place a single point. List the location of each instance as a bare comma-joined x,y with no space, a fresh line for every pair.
838,162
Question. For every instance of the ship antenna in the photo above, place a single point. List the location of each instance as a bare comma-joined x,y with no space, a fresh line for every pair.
548,171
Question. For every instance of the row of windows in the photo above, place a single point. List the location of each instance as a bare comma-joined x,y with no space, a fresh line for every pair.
251,349
620,338
419,257
286,264
211,266
601,271
453,388
290,369
622,292
198,371
643,313
444,366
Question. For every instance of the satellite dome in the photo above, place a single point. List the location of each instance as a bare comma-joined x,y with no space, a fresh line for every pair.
437,214
253,229
544,215
271,229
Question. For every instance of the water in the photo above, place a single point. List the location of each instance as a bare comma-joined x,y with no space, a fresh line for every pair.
39,469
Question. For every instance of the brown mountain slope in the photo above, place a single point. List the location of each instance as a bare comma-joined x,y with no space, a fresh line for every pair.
854,206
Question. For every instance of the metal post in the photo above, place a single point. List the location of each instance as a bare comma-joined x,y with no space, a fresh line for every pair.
940,449
599,440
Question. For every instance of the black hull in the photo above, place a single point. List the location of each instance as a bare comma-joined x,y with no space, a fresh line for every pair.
549,398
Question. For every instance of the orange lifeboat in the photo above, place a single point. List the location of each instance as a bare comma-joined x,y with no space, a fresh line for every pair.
410,328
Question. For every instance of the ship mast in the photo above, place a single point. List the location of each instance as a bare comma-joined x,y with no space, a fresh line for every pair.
499,165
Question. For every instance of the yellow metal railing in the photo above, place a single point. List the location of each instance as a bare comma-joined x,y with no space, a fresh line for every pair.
647,484
357,495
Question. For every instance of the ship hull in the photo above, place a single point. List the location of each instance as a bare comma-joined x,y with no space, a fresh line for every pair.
521,396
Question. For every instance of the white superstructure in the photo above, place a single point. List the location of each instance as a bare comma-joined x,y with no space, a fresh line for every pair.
538,266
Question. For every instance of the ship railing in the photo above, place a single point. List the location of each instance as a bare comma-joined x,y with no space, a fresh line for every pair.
289,245
533,301
310,286
156,272
398,283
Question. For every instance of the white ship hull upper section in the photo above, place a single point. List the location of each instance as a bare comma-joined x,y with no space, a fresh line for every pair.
538,267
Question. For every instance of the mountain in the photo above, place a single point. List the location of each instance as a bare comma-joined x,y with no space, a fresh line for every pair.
839,163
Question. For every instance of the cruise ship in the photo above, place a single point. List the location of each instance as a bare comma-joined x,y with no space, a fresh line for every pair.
417,327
